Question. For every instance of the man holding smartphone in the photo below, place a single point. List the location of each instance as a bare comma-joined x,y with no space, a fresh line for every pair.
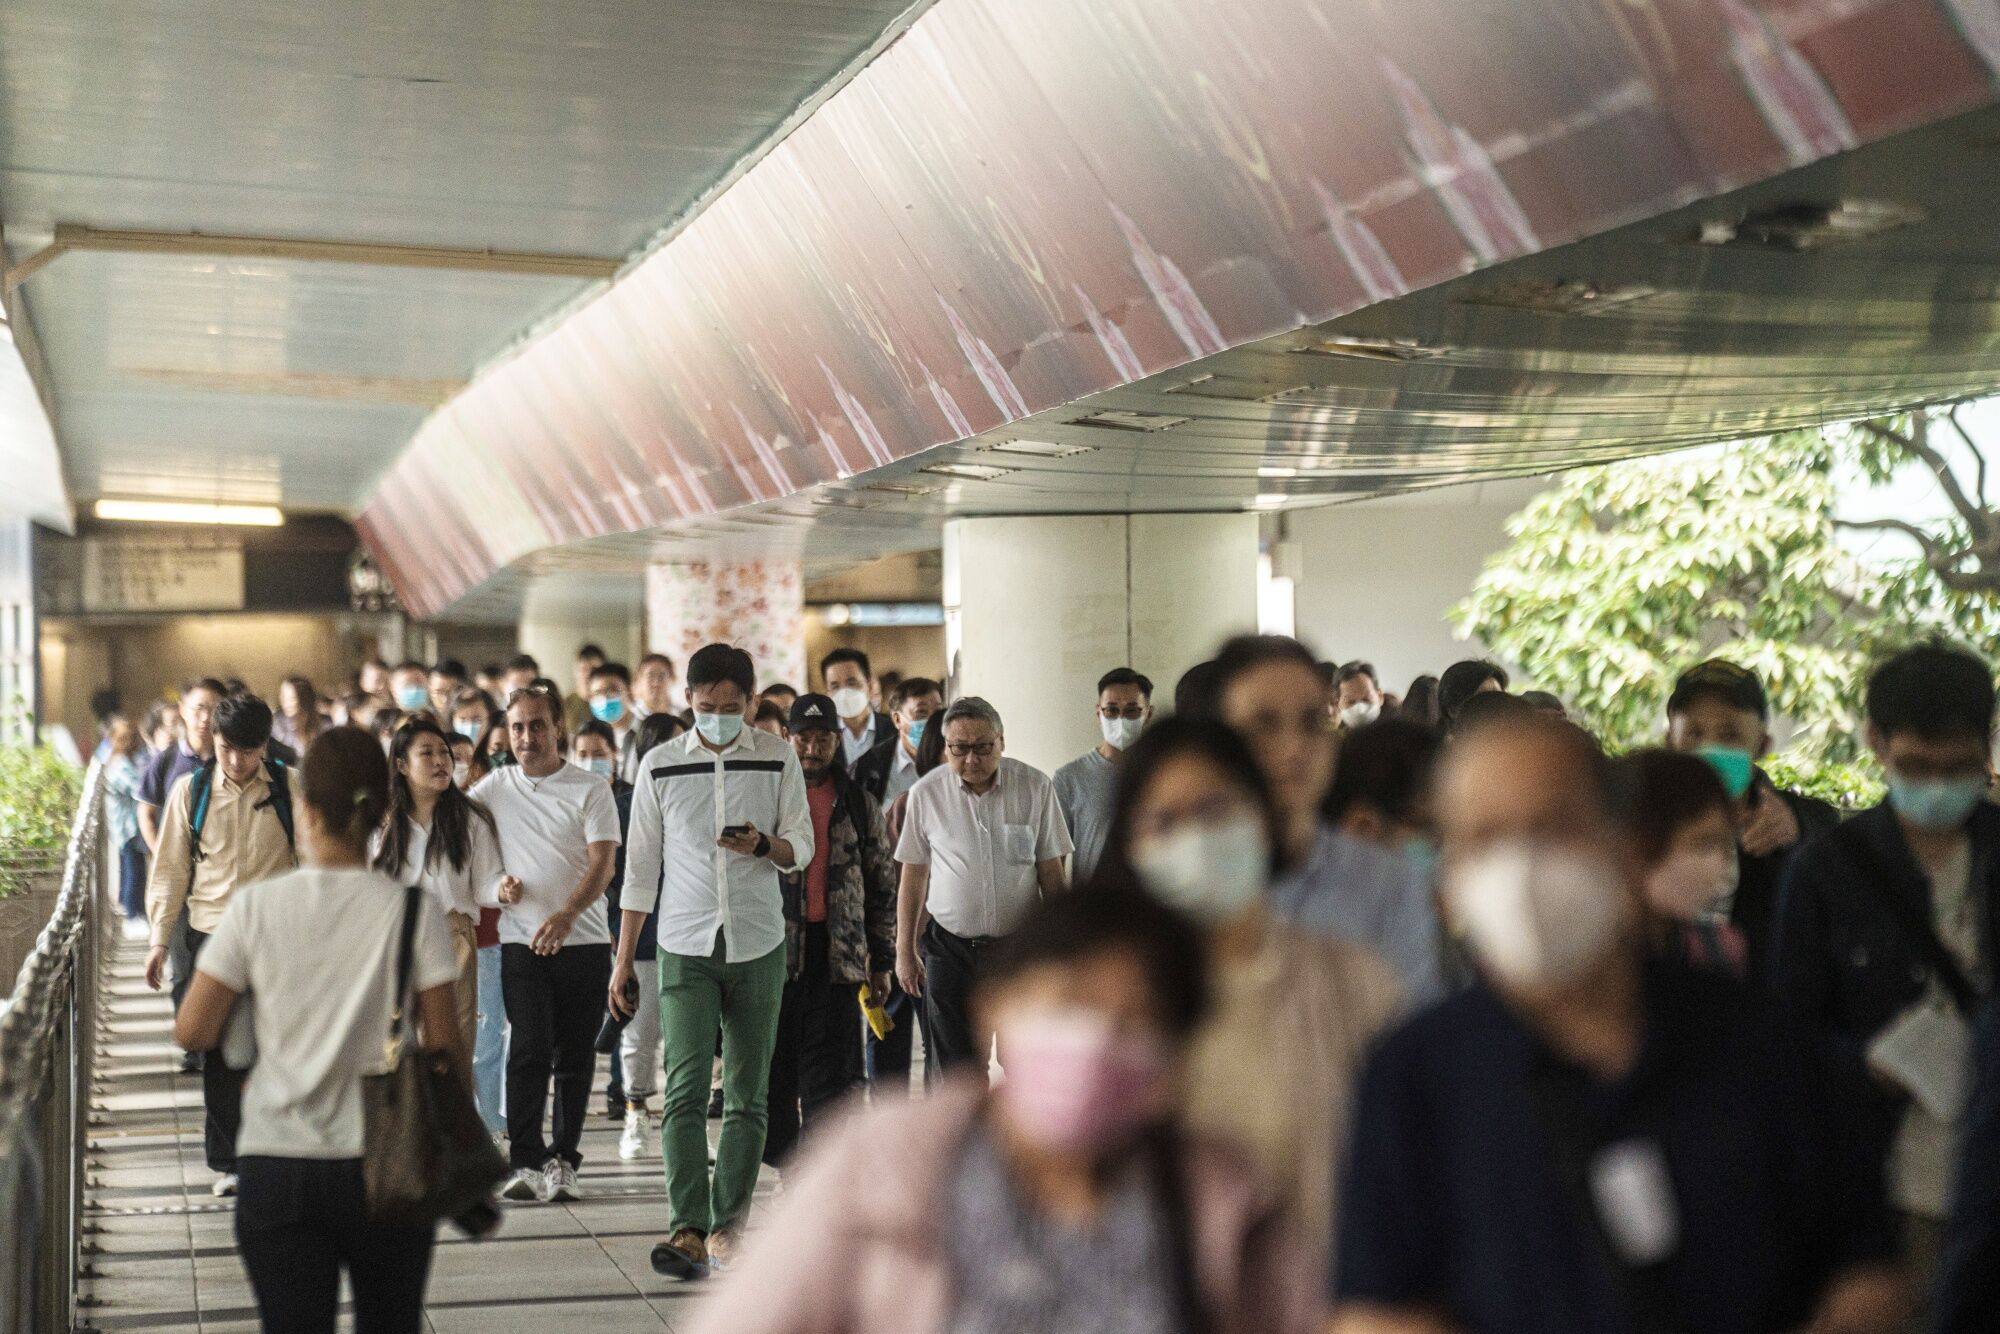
718,815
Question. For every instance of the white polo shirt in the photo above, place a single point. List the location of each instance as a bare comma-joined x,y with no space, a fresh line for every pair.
686,796
546,828
982,847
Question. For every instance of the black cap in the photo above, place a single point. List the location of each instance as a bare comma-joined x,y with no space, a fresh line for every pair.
1734,684
814,711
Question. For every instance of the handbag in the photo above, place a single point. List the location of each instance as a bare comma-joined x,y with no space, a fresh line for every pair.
426,1154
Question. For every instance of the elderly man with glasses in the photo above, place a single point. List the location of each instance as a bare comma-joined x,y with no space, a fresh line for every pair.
982,839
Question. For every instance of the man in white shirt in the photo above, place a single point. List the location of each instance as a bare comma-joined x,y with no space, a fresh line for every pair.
983,837
1085,787
559,841
890,770
719,814
849,683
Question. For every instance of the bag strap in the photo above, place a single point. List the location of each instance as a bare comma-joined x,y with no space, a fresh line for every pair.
406,937
201,786
1916,923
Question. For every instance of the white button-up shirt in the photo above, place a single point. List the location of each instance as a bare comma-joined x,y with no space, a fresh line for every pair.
982,848
460,889
853,747
686,796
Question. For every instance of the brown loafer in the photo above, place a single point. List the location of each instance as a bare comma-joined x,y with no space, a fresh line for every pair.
684,1256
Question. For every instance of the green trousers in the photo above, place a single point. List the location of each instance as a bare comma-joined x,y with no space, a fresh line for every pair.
696,995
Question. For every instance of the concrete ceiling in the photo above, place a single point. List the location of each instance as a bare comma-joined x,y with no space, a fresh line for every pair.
567,128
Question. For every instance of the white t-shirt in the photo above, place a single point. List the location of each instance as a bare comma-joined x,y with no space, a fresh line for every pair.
546,828
460,889
315,950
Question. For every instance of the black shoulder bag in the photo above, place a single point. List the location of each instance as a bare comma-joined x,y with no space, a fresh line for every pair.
426,1155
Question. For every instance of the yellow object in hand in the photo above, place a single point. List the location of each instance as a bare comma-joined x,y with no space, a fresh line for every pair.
879,1022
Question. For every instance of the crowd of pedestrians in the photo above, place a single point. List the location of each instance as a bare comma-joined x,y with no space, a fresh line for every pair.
1295,1005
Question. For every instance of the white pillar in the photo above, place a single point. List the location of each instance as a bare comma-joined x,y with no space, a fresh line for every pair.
1036,609
759,606
562,612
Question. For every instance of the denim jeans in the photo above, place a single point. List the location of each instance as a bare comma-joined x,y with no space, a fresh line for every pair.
489,1048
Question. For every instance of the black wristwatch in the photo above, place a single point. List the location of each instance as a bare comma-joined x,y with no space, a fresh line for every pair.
763,845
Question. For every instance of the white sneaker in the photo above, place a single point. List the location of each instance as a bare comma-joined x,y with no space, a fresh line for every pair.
224,1187
525,1184
562,1181
639,1131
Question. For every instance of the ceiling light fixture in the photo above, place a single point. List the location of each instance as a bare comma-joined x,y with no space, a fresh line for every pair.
1038,449
187,511
977,472
1120,419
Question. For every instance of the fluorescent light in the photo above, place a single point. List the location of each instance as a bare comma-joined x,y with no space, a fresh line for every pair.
187,511
977,472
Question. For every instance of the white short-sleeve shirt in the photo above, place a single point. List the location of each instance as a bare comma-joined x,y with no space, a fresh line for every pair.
460,889
982,847
546,828
315,951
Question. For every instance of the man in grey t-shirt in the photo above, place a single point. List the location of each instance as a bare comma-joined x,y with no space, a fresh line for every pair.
1086,785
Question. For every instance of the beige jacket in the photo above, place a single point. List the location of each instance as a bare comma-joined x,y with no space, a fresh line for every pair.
241,843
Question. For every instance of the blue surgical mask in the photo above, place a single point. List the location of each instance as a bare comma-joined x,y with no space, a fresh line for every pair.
1736,767
1423,854
1936,803
411,698
607,710
598,765
718,729
916,733
471,731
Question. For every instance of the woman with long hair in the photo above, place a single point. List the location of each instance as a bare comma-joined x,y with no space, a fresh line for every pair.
313,954
298,720
1682,827
436,836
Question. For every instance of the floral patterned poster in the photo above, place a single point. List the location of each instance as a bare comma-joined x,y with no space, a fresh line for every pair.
759,606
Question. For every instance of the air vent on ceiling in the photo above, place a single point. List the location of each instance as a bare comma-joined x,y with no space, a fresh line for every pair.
1369,349
1038,449
839,500
1811,226
1558,296
1119,419
1233,389
975,472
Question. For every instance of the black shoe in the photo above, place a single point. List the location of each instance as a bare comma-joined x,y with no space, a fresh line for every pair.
190,1062
614,1107
715,1104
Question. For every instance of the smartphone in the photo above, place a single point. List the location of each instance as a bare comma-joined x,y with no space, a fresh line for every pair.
735,830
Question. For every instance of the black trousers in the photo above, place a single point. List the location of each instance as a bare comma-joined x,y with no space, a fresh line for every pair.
817,1060
299,1222
221,1090
554,1004
951,968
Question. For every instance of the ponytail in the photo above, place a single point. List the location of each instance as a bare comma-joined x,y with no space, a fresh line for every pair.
346,782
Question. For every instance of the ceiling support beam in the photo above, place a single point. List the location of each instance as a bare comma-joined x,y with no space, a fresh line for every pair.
70,237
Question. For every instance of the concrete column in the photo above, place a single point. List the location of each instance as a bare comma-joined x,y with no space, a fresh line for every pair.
562,612
1036,609
759,606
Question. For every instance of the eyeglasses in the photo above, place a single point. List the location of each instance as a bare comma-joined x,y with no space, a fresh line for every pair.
982,749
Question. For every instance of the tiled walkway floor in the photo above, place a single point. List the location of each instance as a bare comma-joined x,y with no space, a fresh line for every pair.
166,1256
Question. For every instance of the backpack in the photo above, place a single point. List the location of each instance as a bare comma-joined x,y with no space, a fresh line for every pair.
201,785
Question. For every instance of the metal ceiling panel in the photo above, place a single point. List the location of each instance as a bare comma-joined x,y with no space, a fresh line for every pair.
1028,205
567,127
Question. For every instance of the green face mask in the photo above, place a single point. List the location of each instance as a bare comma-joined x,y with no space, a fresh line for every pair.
1735,767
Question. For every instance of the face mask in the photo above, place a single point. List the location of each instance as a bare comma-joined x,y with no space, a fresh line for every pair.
1423,854
1211,872
500,759
1935,803
1073,1085
718,729
916,733
1735,766
469,730
607,710
850,703
460,772
1120,733
598,765
1692,886
1535,914
411,698
1361,713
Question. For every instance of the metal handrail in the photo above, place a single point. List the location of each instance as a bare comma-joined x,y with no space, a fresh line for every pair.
48,1043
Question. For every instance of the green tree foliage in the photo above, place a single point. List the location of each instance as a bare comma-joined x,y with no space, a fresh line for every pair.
38,796
1621,576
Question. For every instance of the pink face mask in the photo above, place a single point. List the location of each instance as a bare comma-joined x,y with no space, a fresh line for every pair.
1074,1085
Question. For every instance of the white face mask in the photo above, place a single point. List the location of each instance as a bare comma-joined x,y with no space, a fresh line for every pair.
1120,733
460,772
851,702
1361,713
1536,914
1693,886
1209,871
